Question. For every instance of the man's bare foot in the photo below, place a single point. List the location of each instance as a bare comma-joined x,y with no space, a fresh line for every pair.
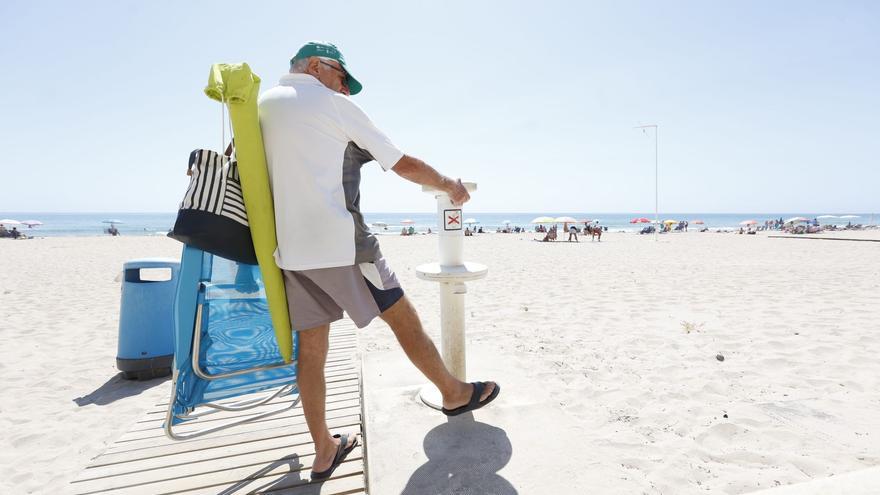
325,454
463,395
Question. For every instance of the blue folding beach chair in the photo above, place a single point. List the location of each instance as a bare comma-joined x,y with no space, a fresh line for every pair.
225,346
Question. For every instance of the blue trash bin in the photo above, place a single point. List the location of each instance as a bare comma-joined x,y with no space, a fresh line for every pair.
146,320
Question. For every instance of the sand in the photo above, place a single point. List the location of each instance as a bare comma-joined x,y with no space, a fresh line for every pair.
62,401
617,342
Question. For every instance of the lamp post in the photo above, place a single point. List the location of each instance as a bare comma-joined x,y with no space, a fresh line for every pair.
656,193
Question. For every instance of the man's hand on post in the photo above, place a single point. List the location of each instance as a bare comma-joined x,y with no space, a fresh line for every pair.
457,192
415,170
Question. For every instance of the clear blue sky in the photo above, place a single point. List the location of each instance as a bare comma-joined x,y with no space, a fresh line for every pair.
763,106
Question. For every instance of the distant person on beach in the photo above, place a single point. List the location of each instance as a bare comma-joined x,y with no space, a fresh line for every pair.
573,231
3,231
330,260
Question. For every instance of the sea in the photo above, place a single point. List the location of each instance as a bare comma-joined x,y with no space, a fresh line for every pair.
150,224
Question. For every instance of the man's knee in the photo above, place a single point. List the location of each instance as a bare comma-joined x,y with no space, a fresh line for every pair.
400,313
399,307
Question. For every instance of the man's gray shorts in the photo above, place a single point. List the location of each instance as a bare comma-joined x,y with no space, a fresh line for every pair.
318,297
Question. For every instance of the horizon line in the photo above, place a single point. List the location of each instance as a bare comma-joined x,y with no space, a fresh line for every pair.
172,212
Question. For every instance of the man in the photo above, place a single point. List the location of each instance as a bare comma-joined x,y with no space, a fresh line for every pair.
316,139
573,231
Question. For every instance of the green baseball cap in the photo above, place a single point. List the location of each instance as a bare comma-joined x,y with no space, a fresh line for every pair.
328,50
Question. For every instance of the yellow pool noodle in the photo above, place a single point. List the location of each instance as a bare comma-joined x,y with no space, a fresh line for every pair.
239,88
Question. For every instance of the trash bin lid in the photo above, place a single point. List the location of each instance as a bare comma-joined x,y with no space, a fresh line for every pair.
152,263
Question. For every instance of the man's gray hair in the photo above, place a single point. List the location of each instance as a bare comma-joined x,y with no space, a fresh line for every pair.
300,65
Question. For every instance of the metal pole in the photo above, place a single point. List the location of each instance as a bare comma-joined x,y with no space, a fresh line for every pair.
656,177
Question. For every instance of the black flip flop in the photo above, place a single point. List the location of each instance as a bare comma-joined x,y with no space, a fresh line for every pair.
341,452
475,402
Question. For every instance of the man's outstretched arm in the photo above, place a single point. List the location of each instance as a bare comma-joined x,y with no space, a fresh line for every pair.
415,170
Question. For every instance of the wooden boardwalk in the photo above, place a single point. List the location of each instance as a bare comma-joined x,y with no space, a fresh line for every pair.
273,455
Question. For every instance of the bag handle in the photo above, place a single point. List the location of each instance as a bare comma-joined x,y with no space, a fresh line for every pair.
194,156
229,148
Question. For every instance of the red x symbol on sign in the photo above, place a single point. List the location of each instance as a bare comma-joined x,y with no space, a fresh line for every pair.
452,219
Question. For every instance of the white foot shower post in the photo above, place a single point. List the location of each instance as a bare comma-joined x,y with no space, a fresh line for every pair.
451,272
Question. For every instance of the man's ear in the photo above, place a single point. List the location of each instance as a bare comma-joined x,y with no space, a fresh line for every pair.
312,68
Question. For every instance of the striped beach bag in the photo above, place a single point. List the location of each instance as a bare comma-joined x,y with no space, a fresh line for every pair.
212,216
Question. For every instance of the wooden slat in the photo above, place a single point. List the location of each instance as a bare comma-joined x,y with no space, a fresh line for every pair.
203,446
334,383
154,462
160,407
271,422
347,479
139,438
154,421
349,385
197,474
272,455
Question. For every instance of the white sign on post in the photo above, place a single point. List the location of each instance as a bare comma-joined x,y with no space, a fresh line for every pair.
452,220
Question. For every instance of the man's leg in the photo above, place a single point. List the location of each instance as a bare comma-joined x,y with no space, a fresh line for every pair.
313,346
405,323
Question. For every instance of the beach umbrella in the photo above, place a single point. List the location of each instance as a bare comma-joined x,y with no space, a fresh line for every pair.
112,221
543,220
31,223
565,221
850,216
749,222
640,220
697,222
406,221
827,216
471,221
9,221
796,219
670,221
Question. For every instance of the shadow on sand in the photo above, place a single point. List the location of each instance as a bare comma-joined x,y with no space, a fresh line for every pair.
117,387
464,456
293,478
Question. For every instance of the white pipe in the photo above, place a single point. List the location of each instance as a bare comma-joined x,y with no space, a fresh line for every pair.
451,272
452,328
451,233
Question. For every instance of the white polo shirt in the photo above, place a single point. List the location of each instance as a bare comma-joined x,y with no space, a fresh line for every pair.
316,140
